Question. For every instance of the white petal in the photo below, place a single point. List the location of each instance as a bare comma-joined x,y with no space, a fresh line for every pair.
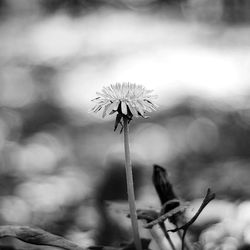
95,99
139,108
118,89
104,95
149,106
105,110
132,109
97,108
112,107
154,106
151,96
149,91
107,93
141,104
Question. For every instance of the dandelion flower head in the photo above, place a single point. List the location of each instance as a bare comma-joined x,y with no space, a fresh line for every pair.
126,99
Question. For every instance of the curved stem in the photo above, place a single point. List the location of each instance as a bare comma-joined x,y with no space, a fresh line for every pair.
184,241
162,226
130,187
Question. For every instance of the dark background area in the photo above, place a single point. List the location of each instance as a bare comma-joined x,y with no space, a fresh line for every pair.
59,163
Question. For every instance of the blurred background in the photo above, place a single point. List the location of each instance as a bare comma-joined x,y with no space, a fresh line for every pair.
59,163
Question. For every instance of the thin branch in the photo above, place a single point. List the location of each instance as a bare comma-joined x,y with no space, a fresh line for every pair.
185,242
163,228
165,216
149,215
209,196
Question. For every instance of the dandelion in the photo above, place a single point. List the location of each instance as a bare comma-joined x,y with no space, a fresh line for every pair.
126,100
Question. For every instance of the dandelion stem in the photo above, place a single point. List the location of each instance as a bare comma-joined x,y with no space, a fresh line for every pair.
130,187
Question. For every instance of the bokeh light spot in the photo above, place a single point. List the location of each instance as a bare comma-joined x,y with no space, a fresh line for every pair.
202,135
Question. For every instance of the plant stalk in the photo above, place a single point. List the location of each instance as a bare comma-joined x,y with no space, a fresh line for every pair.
162,226
130,187
186,243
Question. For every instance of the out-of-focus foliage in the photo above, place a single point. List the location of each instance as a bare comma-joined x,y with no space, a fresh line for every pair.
59,164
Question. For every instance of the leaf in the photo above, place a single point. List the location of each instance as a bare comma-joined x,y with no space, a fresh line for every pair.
162,185
117,121
37,236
